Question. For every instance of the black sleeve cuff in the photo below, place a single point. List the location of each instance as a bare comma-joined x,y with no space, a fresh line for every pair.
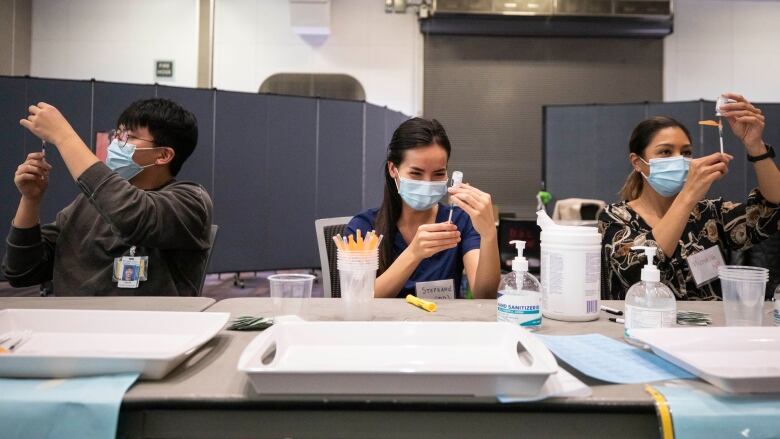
24,237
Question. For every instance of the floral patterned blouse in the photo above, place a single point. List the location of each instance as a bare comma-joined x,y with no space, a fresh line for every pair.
735,226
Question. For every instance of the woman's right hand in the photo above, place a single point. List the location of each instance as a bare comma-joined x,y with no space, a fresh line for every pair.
703,172
32,176
433,238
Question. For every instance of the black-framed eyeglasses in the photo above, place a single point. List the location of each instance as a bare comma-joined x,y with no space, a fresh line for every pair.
122,136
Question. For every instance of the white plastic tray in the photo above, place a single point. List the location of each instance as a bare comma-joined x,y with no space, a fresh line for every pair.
69,343
398,358
736,359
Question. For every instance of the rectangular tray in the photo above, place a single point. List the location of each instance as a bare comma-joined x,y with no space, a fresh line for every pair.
397,358
735,359
70,343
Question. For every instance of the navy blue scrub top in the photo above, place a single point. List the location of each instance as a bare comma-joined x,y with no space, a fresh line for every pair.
446,264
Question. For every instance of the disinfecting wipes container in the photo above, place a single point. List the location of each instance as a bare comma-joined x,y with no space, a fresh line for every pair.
570,270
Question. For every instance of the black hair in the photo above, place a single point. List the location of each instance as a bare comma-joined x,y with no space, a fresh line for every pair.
413,133
638,142
169,124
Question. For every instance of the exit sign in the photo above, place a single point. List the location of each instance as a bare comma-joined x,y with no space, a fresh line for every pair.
163,69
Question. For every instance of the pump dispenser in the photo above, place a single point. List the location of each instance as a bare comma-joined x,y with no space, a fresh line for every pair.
519,294
649,303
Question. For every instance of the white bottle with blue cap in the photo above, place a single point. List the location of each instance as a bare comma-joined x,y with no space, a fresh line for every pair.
519,294
649,303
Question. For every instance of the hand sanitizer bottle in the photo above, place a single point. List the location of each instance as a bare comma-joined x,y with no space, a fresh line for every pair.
519,294
649,303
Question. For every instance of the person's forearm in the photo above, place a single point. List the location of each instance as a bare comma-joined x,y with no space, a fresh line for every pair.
393,279
669,229
488,269
767,174
76,155
27,214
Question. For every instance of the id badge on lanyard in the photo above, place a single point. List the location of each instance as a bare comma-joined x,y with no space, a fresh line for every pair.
129,271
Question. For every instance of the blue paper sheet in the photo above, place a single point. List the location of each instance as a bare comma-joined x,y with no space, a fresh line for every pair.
609,360
696,413
69,408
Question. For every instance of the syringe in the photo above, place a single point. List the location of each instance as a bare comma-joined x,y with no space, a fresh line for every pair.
721,100
457,179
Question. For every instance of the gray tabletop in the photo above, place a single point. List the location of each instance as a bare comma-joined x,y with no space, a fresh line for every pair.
190,304
207,396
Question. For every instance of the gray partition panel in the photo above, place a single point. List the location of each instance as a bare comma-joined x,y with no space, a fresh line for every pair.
74,100
771,136
377,140
339,186
12,108
272,164
199,167
241,188
110,101
566,124
687,113
290,183
586,154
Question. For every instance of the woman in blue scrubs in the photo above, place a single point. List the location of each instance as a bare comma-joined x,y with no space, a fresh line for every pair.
422,253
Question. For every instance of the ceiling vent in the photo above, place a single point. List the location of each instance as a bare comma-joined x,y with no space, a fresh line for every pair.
561,18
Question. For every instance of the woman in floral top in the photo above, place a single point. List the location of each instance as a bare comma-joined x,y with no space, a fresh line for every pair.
665,204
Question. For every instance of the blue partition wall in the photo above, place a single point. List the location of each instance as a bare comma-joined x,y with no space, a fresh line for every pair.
586,146
272,164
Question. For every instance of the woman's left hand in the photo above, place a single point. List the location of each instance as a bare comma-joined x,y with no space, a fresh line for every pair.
478,205
746,121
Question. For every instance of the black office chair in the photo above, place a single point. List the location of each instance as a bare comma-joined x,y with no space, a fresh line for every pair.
326,229
511,229
212,240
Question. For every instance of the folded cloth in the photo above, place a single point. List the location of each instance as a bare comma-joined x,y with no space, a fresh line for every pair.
62,408
699,413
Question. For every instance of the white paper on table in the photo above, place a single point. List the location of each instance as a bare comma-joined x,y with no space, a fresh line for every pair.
558,384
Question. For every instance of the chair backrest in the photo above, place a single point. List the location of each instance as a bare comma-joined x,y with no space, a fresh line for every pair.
326,229
212,240
578,209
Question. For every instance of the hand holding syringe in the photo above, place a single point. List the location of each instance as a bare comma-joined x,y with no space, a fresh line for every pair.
721,101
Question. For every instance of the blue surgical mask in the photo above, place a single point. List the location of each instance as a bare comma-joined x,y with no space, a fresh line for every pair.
120,160
421,195
668,175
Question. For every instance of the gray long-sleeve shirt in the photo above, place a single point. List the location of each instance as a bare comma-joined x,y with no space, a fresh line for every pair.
171,225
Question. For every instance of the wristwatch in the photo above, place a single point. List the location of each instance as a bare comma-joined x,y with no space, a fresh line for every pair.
769,154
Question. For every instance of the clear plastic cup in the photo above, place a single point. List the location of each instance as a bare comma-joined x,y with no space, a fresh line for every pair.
743,294
288,291
357,274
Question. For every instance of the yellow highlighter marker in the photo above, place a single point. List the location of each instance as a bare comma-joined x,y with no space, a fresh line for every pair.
424,304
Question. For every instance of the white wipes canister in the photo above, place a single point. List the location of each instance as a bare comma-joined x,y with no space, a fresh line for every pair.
570,271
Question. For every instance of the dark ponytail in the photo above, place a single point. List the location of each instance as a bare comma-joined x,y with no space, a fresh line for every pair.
413,133
640,139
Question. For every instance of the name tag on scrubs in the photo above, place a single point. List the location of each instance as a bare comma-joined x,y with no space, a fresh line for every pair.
436,290
704,265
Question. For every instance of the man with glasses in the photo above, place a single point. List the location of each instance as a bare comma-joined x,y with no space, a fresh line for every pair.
132,214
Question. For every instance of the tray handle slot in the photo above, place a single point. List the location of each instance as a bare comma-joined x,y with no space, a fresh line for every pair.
523,355
269,355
